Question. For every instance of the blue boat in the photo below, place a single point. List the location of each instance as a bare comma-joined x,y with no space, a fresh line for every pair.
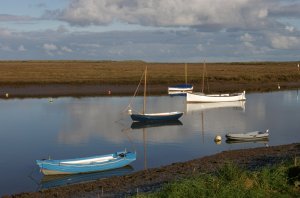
86,164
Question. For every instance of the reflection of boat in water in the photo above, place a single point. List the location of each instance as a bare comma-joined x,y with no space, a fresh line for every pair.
250,136
51,181
141,125
262,141
191,107
86,164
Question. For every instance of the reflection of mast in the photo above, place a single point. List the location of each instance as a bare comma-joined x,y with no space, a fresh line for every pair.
145,147
202,116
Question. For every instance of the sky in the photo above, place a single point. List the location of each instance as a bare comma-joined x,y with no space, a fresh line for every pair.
150,30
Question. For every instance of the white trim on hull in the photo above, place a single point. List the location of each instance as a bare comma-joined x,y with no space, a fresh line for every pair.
179,89
200,97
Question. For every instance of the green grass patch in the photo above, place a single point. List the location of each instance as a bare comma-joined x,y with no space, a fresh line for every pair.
232,181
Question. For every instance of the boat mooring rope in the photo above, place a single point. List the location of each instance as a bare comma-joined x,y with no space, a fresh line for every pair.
129,105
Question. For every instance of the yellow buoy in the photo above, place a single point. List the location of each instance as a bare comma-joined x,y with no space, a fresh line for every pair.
6,95
218,139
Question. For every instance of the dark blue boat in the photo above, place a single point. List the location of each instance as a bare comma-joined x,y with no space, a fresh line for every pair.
181,87
156,116
146,117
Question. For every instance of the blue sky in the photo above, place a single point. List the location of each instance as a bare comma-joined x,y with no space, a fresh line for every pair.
150,30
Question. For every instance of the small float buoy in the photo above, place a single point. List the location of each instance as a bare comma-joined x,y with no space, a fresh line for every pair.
109,92
278,86
6,95
50,100
218,139
129,111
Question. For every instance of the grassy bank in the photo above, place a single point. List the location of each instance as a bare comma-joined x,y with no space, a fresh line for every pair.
232,181
129,72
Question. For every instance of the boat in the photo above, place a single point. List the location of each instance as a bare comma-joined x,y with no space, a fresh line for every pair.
86,164
156,117
224,97
228,97
254,135
51,181
146,117
181,89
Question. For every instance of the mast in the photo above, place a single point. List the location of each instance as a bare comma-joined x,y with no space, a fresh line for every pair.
185,68
145,90
203,77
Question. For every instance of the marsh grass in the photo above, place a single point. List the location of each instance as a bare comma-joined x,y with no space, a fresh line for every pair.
232,181
129,72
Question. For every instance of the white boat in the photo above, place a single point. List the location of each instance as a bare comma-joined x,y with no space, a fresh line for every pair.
255,135
224,97
228,97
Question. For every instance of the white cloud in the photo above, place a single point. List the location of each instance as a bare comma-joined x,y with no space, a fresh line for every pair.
21,48
66,49
192,13
247,38
49,47
284,42
290,28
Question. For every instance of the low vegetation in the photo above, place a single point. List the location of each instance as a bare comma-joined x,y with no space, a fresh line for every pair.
232,181
129,72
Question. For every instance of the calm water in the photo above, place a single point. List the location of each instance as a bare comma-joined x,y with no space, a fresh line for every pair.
76,127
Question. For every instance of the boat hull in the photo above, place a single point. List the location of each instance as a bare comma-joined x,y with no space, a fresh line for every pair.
182,87
200,97
86,165
156,117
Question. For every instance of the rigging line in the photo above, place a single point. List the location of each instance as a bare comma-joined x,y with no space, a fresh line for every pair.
129,105
126,131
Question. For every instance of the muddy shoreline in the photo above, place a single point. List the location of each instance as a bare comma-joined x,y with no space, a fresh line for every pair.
84,90
153,179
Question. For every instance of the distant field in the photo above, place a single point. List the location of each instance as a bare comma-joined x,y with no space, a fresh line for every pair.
129,72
